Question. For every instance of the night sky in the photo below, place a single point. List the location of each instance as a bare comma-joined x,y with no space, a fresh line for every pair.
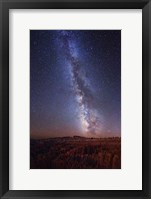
75,83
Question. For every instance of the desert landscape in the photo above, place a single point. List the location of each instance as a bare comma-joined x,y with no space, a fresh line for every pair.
75,153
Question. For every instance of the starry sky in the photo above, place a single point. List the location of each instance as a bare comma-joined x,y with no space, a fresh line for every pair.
75,83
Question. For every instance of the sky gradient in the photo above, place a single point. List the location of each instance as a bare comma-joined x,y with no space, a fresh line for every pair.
75,83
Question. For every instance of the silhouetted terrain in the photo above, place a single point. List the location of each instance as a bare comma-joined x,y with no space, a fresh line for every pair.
75,153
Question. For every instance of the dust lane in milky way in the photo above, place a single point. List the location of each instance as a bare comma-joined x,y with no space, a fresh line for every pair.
75,83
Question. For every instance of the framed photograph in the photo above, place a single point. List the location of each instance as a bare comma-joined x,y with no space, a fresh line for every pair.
75,99
75,108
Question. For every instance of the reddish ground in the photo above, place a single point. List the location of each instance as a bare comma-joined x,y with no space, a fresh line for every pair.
75,153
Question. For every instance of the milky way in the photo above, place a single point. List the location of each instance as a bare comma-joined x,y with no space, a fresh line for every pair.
90,121
75,83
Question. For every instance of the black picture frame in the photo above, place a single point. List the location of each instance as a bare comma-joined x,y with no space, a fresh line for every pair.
5,5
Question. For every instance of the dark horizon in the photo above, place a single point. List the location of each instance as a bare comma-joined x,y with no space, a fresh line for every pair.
75,83
38,138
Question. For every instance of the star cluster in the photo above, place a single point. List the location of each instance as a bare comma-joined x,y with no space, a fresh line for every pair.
75,83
